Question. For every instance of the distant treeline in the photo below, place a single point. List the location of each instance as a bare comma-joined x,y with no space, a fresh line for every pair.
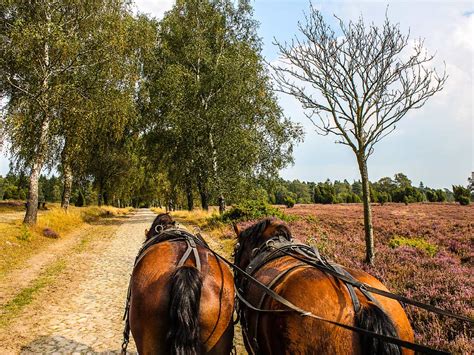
279,191
398,189
51,189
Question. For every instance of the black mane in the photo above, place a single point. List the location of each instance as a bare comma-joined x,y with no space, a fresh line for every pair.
161,222
252,237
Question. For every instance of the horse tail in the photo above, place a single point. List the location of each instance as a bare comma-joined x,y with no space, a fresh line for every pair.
373,318
185,297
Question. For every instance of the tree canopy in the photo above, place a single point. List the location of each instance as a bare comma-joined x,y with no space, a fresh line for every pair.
211,113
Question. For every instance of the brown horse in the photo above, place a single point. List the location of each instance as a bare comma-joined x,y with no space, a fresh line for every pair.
312,290
182,296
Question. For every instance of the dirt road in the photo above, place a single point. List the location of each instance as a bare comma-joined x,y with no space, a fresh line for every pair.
81,311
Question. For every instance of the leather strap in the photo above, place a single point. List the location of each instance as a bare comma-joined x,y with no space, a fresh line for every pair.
270,285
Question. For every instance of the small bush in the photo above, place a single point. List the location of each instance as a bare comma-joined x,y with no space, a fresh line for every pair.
383,198
250,210
464,200
25,233
418,243
289,202
462,195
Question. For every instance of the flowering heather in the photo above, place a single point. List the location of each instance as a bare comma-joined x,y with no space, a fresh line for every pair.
444,280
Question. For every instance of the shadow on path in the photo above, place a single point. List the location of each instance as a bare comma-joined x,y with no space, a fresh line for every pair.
60,344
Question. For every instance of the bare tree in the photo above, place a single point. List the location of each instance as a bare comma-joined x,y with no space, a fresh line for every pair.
356,86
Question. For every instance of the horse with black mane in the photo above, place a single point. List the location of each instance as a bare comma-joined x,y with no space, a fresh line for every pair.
266,252
181,297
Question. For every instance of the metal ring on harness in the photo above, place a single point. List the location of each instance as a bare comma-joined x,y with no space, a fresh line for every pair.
161,229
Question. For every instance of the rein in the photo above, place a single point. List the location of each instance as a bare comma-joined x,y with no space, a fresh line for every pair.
359,285
293,308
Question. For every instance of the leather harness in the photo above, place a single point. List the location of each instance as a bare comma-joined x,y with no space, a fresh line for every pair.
164,235
275,248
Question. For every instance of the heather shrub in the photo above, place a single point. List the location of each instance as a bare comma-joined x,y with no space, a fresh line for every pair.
49,233
444,280
417,243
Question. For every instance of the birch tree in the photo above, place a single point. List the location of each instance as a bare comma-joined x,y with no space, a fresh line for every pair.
66,67
212,110
357,85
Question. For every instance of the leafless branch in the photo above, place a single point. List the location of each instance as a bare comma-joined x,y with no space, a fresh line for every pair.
359,85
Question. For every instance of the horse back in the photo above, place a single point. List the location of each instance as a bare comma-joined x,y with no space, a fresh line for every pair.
312,290
150,300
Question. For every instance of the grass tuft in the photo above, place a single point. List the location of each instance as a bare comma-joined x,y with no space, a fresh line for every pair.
418,243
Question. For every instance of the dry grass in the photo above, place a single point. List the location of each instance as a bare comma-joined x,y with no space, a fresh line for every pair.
19,242
197,217
219,236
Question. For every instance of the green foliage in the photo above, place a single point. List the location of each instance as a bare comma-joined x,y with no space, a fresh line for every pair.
49,189
462,195
464,200
25,234
209,105
289,202
324,193
251,210
13,187
435,195
383,197
417,243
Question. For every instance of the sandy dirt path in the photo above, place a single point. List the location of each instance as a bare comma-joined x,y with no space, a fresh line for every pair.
81,312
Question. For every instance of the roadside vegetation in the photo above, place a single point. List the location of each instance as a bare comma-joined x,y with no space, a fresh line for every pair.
19,241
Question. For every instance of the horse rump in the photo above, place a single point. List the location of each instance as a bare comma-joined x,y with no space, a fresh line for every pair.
185,297
373,318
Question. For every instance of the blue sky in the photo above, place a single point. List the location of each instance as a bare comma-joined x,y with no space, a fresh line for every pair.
432,144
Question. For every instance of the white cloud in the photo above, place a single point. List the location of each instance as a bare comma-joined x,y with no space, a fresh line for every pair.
155,8
464,32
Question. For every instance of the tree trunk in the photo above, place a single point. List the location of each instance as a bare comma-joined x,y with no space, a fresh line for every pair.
369,235
67,182
99,200
221,204
189,195
32,202
216,175
204,196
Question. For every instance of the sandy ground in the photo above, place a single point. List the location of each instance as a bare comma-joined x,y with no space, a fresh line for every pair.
81,311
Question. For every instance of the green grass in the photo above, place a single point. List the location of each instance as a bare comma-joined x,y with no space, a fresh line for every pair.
27,295
418,243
